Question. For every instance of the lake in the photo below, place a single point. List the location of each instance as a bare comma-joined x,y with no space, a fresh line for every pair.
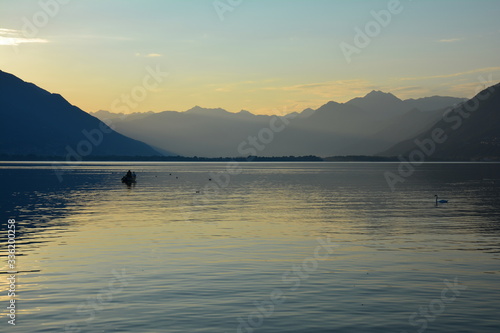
251,247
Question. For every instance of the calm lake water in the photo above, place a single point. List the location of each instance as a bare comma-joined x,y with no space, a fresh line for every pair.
269,247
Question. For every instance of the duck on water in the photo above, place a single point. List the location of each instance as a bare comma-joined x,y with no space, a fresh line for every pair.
129,178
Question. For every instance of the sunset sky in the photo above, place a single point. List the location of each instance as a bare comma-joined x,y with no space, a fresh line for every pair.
264,56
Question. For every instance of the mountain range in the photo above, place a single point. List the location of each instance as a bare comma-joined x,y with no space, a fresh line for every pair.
37,122
365,125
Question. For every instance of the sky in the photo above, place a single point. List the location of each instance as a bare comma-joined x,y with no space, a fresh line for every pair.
264,56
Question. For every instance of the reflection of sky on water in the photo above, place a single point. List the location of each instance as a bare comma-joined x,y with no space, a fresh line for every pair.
300,194
204,262
40,203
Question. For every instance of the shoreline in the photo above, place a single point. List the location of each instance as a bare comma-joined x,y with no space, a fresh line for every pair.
309,158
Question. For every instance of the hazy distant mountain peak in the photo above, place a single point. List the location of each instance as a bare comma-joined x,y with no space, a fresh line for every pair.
307,112
376,93
245,113
329,105
111,117
381,96
382,104
378,99
195,108
207,111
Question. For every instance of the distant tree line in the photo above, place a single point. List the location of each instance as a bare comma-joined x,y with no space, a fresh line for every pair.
110,158
308,158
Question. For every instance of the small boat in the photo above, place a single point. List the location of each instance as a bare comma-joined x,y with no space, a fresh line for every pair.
129,178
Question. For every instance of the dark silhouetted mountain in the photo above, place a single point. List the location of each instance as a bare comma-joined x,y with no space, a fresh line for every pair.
37,122
469,131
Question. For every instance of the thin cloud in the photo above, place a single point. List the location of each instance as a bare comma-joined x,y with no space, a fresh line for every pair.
149,55
330,89
446,76
470,89
410,92
223,90
245,85
14,37
8,31
406,89
451,40
102,37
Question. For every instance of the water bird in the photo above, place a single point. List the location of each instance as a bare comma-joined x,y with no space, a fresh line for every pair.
440,201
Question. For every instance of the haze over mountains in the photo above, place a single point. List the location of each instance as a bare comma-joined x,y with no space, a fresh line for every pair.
366,125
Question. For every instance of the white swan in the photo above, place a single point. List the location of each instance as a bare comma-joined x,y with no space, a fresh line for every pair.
440,201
